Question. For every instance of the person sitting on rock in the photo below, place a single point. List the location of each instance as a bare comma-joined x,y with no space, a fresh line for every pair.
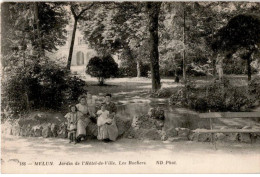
103,119
72,118
84,120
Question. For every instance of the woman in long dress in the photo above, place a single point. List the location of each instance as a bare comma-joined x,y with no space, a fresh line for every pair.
91,102
110,130
83,120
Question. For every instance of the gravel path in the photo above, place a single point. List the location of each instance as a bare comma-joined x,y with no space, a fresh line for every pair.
126,156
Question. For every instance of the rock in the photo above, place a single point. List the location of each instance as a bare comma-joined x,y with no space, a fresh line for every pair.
244,137
156,113
163,135
183,132
159,124
152,134
6,128
123,125
37,130
25,130
135,122
46,131
220,136
151,112
231,137
171,132
16,129
54,130
62,131
200,137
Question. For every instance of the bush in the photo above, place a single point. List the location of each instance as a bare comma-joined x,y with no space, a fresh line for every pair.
254,87
102,68
214,97
39,86
163,93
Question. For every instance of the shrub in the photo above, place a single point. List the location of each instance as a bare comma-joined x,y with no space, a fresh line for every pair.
38,86
163,93
102,68
214,97
254,87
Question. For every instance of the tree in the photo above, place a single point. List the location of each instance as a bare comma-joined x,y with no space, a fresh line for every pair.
241,33
153,10
115,28
77,11
102,68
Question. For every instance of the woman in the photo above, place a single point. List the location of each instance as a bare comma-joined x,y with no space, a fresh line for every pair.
83,120
110,129
91,103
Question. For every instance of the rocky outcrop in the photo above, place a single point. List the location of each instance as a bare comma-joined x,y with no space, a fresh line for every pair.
40,124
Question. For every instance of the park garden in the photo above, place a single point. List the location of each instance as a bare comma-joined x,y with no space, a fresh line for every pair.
177,60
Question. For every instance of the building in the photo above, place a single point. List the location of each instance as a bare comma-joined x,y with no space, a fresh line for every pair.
81,51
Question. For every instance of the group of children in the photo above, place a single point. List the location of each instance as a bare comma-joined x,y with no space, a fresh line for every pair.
76,114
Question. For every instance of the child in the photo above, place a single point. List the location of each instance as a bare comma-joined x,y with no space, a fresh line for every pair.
103,116
103,122
72,118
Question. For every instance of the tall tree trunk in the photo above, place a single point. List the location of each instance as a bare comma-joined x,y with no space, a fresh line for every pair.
138,68
153,15
183,59
38,30
72,42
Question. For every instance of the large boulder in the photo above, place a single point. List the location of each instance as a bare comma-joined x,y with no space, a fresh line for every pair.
183,133
6,127
200,137
25,130
62,131
123,125
245,137
54,129
46,130
145,128
16,129
37,130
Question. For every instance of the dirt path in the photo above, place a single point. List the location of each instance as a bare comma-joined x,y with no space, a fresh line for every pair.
182,157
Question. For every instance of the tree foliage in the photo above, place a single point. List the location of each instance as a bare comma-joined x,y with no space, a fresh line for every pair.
102,68
241,33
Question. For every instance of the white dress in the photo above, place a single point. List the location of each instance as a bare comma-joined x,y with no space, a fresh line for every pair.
103,117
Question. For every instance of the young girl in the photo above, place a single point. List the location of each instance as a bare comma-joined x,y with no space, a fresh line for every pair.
72,118
103,121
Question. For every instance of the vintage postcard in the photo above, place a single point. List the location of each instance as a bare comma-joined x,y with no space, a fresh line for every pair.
130,87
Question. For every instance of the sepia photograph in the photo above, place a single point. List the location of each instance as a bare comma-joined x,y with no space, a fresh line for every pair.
130,87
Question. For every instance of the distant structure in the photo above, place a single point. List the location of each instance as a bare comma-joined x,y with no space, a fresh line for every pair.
81,53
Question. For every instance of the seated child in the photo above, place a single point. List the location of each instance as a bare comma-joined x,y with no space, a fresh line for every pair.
72,118
103,116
